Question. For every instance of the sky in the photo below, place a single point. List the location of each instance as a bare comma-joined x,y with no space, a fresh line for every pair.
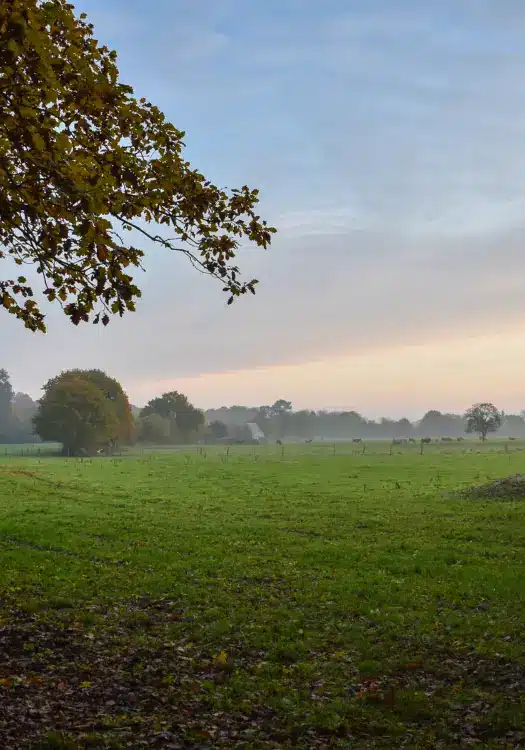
387,138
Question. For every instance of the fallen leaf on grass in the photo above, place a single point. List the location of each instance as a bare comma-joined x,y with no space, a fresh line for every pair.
221,658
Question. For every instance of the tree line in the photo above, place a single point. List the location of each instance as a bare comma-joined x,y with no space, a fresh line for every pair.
281,421
87,411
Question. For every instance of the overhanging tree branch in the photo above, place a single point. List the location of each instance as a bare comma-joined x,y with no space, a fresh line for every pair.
78,150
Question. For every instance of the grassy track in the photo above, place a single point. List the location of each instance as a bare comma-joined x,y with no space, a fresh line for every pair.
261,601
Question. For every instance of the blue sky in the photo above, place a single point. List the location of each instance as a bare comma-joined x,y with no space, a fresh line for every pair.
383,110
388,140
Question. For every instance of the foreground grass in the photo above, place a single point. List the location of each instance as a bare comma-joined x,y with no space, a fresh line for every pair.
261,601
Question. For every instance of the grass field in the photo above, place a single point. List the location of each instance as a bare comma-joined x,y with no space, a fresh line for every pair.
261,599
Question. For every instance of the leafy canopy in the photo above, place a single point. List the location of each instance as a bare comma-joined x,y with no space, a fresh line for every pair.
75,413
82,161
175,407
483,418
84,410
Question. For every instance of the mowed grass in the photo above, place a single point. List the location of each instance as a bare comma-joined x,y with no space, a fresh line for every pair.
262,600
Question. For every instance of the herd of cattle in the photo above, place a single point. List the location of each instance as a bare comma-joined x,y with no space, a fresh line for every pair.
404,441
426,440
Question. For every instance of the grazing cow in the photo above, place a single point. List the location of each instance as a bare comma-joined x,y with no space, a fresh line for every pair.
308,441
426,440
460,439
357,440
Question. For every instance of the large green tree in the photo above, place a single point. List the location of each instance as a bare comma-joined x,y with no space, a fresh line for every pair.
85,410
82,161
114,393
76,413
483,418
185,419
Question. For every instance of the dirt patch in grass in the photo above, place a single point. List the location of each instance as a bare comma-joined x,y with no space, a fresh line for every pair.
508,488
25,473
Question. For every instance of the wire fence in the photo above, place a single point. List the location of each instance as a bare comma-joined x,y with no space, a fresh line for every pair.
290,449
340,448
30,449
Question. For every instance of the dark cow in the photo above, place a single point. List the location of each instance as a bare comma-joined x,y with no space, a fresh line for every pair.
513,438
357,440
308,441
460,439
411,440
426,440
446,439
279,442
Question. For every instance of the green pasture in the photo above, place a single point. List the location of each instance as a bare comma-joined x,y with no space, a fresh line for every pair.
297,596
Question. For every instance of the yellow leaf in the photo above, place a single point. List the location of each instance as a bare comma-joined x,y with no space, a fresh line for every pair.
221,658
